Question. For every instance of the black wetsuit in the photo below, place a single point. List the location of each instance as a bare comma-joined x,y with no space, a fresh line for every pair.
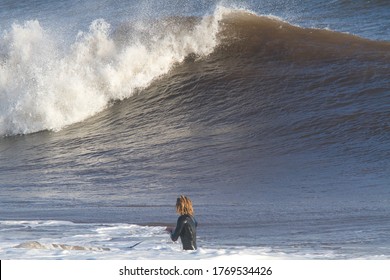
186,229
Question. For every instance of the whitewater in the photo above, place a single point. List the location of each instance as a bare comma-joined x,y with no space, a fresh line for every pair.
272,116
46,88
111,241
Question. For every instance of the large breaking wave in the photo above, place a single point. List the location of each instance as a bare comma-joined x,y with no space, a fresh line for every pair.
45,85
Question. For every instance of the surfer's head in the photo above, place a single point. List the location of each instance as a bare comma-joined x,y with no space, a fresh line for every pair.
184,206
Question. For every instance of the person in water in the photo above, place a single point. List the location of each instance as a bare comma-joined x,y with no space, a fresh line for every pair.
186,224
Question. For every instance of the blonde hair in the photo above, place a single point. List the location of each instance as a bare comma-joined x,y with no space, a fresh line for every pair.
184,206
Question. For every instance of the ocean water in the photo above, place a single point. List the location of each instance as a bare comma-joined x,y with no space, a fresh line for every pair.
272,116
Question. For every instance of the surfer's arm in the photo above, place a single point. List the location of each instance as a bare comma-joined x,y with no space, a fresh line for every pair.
179,227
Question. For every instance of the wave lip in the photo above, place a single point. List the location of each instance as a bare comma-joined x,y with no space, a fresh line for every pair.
247,34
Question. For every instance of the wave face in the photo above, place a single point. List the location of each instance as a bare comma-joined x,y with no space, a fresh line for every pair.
318,86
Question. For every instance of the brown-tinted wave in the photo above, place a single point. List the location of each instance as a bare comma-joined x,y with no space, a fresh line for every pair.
246,34
281,88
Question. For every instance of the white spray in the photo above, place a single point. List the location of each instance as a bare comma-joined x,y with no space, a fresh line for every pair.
43,87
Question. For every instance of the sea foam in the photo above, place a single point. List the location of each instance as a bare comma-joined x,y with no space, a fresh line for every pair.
73,241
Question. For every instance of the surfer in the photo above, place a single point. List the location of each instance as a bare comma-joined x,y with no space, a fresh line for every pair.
186,224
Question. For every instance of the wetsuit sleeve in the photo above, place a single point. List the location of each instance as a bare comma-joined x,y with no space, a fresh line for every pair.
179,227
